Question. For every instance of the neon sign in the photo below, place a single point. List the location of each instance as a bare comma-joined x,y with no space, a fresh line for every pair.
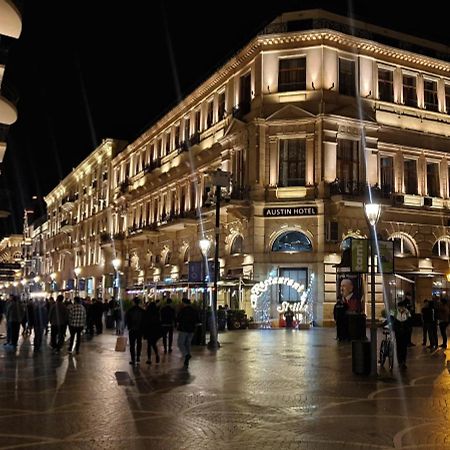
259,289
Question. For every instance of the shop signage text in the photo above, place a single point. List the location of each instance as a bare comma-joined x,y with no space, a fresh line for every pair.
290,211
258,289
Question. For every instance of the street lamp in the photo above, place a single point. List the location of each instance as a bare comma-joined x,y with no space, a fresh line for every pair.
219,179
77,272
52,282
372,212
116,262
204,244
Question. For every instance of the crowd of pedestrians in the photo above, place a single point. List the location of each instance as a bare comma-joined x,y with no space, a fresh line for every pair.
86,317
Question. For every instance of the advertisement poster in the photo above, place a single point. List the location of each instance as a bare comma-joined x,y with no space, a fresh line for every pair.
360,254
386,249
350,289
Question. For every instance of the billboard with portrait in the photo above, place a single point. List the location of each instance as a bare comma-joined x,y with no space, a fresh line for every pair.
350,289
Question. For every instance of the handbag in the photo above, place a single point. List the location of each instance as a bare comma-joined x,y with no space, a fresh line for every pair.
121,343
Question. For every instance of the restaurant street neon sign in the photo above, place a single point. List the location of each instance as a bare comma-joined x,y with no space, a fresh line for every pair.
262,287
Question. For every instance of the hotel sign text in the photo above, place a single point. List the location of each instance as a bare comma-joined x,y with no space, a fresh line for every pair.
294,211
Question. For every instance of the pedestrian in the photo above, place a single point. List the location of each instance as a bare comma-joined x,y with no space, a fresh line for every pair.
340,317
77,322
152,331
443,317
409,304
14,316
401,324
429,317
59,318
187,320
134,320
168,315
38,319
289,317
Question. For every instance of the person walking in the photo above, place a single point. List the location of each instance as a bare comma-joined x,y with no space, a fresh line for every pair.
152,331
168,316
443,317
14,317
134,320
59,318
77,322
38,318
429,317
187,320
401,324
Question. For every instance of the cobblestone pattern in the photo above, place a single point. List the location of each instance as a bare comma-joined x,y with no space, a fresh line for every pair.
269,389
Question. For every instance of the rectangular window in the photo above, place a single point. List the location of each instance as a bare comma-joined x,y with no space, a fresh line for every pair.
221,105
187,128
198,125
433,180
447,98
409,91
387,174
386,85
167,145
286,293
177,136
347,79
292,74
209,114
430,95
347,167
245,93
292,168
410,176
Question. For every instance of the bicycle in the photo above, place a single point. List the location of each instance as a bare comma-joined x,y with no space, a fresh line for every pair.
387,349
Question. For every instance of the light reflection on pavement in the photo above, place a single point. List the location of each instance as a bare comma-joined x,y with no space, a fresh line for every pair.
268,389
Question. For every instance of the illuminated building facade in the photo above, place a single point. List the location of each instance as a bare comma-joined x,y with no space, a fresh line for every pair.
305,117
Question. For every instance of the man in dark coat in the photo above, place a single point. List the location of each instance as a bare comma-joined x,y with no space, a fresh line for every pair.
134,319
187,320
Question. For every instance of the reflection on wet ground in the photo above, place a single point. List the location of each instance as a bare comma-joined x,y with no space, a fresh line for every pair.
264,389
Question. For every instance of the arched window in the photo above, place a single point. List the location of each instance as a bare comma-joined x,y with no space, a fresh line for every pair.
403,245
292,241
442,247
237,245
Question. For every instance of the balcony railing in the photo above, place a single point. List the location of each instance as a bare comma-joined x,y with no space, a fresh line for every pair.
152,165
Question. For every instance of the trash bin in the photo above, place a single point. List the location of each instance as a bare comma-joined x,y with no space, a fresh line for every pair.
361,357
357,326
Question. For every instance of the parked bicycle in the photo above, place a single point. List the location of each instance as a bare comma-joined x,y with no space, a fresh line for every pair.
387,349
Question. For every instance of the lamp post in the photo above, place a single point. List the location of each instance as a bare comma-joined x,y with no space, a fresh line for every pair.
219,179
77,272
372,212
116,262
204,244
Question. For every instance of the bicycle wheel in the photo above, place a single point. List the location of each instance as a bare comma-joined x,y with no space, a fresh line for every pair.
383,353
391,355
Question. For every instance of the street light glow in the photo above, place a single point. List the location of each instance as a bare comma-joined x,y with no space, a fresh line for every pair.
77,271
116,262
205,245
372,212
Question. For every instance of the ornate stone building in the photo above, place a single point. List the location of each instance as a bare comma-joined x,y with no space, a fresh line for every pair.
307,116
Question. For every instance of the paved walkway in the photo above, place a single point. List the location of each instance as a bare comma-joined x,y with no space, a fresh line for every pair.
265,389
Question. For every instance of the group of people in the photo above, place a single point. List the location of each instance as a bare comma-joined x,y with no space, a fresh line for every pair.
36,315
153,323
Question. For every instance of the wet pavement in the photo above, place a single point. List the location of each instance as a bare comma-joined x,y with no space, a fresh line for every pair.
264,389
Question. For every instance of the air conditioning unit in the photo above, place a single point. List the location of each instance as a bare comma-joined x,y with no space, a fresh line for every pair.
399,199
332,231
427,201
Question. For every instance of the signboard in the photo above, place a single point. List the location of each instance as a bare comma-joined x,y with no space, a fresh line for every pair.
296,211
350,289
196,273
360,254
386,256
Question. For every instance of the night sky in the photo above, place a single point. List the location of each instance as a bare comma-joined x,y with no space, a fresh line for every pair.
91,69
